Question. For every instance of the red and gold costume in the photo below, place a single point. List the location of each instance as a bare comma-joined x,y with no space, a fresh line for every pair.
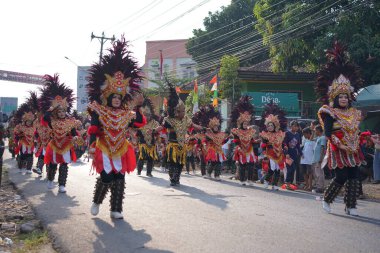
245,136
113,83
345,130
113,152
24,137
337,84
61,148
56,101
273,124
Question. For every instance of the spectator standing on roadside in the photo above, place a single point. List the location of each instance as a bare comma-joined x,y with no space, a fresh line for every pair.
319,154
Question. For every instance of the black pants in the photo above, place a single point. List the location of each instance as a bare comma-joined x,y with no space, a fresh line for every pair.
26,161
273,176
40,162
108,178
203,165
290,169
216,167
175,170
149,166
190,161
347,173
246,171
63,172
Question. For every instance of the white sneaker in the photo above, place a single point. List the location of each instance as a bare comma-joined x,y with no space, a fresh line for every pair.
95,209
217,178
352,211
275,188
326,206
266,184
116,215
244,183
23,171
208,175
50,185
28,172
62,189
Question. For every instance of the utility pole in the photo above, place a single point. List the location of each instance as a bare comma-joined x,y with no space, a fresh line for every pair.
102,40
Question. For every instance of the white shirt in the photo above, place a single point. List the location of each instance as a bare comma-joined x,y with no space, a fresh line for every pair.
308,152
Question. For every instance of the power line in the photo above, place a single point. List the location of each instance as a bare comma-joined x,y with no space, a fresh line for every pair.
173,20
223,35
139,12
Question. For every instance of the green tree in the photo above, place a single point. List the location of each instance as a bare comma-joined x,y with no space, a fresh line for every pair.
297,33
228,74
226,32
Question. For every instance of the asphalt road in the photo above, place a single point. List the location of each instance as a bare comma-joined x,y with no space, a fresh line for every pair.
199,216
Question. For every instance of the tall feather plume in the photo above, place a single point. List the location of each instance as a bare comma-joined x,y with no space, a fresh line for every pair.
33,101
274,109
173,99
338,63
149,104
52,88
23,108
244,104
118,58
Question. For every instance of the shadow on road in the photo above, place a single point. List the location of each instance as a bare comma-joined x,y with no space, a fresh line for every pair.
359,218
217,200
120,237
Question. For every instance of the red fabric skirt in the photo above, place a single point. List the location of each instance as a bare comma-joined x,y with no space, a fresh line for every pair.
125,163
53,157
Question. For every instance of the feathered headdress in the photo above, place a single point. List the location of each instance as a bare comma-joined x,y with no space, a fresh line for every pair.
242,112
33,101
23,114
54,93
273,114
117,73
207,116
174,102
148,105
338,76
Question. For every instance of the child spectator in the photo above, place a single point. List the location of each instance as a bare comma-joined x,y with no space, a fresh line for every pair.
292,148
307,158
319,154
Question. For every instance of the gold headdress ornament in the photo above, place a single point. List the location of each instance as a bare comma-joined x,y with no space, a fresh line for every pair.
115,84
244,117
28,116
60,102
214,122
274,120
341,85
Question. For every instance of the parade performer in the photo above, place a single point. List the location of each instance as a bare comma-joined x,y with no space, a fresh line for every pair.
24,136
147,139
191,145
245,135
56,101
214,140
176,124
337,83
273,124
11,138
113,93
201,147
42,133
80,143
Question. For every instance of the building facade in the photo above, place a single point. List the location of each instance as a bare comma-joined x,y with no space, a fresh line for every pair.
82,98
175,61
